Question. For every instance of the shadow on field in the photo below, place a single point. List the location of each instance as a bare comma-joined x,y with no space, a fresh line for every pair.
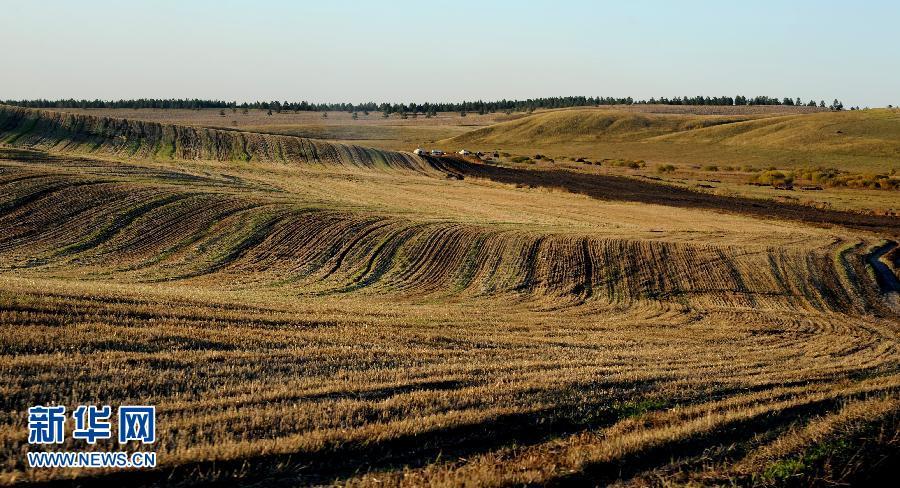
739,438
618,188
340,460
344,460
886,279
735,434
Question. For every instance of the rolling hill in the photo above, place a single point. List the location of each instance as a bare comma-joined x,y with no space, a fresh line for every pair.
861,140
310,313
591,125
135,139
862,132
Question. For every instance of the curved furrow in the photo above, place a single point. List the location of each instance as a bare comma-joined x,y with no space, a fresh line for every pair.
161,234
173,233
63,132
419,257
60,216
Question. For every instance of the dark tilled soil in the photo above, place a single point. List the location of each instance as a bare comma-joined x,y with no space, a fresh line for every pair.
616,188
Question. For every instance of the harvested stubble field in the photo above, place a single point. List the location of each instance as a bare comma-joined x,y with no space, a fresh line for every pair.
394,132
372,130
717,149
303,312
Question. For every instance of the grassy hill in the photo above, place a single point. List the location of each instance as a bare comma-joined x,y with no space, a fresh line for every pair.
587,125
864,132
866,140
143,140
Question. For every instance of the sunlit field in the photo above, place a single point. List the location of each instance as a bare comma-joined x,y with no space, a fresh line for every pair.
837,160
305,312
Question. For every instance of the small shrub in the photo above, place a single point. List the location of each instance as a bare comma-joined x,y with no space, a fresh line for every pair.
834,177
665,168
626,163
772,177
711,167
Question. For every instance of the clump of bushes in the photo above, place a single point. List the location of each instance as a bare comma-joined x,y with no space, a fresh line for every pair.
871,181
830,177
834,177
665,168
772,177
521,159
818,175
711,167
626,163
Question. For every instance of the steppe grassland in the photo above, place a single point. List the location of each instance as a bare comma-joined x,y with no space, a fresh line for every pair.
316,323
373,130
393,132
757,138
719,152
864,140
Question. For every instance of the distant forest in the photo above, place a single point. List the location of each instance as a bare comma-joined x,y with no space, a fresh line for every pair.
427,108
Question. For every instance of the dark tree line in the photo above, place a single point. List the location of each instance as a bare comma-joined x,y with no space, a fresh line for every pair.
479,106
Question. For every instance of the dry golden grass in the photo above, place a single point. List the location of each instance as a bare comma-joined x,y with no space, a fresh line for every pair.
394,132
718,152
864,140
740,141
326,314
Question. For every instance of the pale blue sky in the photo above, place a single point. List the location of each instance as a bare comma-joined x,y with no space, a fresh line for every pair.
420,51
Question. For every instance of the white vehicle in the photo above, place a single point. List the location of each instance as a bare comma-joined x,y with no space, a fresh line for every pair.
437,152
463,152
419,151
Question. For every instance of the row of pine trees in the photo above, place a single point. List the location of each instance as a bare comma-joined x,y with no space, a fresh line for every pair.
426,108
